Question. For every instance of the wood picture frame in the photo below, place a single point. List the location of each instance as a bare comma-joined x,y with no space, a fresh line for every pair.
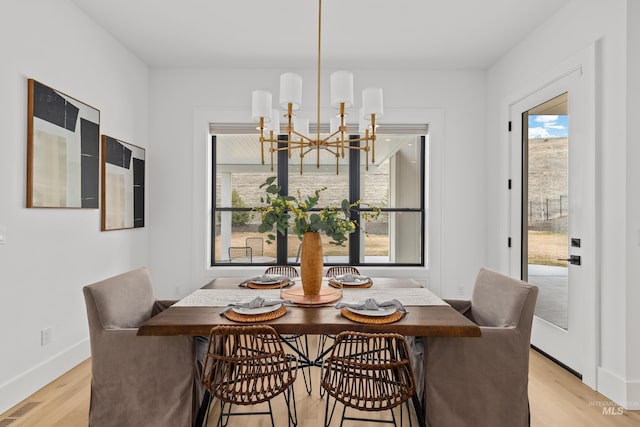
63,147
123,185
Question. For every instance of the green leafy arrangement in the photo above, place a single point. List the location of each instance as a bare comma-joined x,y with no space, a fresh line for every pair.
284,211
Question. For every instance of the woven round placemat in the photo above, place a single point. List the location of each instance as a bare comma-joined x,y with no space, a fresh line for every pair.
335,284
371,319
253,285
252,318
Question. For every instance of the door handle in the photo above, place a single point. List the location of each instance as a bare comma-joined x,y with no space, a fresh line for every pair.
573,259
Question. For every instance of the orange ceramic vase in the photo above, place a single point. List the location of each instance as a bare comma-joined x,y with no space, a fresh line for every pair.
311,264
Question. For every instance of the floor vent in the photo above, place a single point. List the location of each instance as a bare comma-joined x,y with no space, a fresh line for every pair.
6,422
24,409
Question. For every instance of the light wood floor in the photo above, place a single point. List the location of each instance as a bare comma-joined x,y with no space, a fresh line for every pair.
557,398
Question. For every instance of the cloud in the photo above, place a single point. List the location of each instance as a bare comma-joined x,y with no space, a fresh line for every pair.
552,126
539,133
546,118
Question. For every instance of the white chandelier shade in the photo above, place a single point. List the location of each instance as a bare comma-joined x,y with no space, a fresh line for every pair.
342,89
261,105
290,90
372,102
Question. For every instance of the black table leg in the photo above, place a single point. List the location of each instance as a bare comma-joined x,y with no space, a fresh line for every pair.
417,406
204,407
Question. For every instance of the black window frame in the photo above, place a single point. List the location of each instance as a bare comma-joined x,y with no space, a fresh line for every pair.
282,174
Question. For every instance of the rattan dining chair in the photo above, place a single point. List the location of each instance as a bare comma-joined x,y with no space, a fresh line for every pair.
339,270
368,372
247,365
283,270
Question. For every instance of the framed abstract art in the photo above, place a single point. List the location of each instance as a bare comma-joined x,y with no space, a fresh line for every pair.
63,140
123,183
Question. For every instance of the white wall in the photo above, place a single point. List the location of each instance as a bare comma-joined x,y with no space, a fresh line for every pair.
633,199
180,96
51,253
575,27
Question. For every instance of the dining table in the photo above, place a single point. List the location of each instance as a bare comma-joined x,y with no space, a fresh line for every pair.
426,314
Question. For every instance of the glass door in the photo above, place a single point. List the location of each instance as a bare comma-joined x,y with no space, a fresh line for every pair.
545,240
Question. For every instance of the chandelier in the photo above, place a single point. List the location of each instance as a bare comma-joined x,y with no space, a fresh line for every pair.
298,141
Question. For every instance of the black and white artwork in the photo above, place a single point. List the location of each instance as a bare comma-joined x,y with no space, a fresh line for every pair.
63,140
123,172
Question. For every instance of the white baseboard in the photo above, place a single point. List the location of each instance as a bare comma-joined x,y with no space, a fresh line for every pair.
618,390
25,384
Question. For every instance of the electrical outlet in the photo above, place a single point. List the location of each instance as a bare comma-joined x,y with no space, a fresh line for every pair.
177,291
46,336
460,291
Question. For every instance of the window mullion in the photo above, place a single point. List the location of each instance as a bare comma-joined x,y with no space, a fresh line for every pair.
283,182
423,142
354,195
213,200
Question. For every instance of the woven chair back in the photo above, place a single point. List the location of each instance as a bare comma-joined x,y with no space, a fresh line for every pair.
283,270
369,372
342,269
246,365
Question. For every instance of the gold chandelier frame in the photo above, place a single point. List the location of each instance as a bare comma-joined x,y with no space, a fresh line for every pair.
335,143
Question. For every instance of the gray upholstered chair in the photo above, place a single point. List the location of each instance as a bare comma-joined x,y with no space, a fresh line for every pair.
136,381
483,381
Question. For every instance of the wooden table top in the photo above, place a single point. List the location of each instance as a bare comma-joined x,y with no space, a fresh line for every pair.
419,321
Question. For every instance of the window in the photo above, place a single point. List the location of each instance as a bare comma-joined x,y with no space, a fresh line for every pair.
395,183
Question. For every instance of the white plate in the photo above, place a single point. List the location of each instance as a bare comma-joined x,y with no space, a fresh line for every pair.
265,282
374,313
257,310
352,282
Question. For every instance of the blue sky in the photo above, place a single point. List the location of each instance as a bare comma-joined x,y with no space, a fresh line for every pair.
548,126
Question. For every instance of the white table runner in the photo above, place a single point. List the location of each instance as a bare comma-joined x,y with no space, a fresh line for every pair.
224,297
406,296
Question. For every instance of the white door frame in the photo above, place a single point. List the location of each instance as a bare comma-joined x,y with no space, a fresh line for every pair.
583,301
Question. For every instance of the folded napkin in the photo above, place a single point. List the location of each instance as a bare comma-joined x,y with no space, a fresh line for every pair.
265,278
349,277
372,304
257,302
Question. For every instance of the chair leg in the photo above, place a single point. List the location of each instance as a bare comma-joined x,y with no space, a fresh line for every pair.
328,416
271,414
344,411
224,415
393,417
292,412
408,413
203,412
